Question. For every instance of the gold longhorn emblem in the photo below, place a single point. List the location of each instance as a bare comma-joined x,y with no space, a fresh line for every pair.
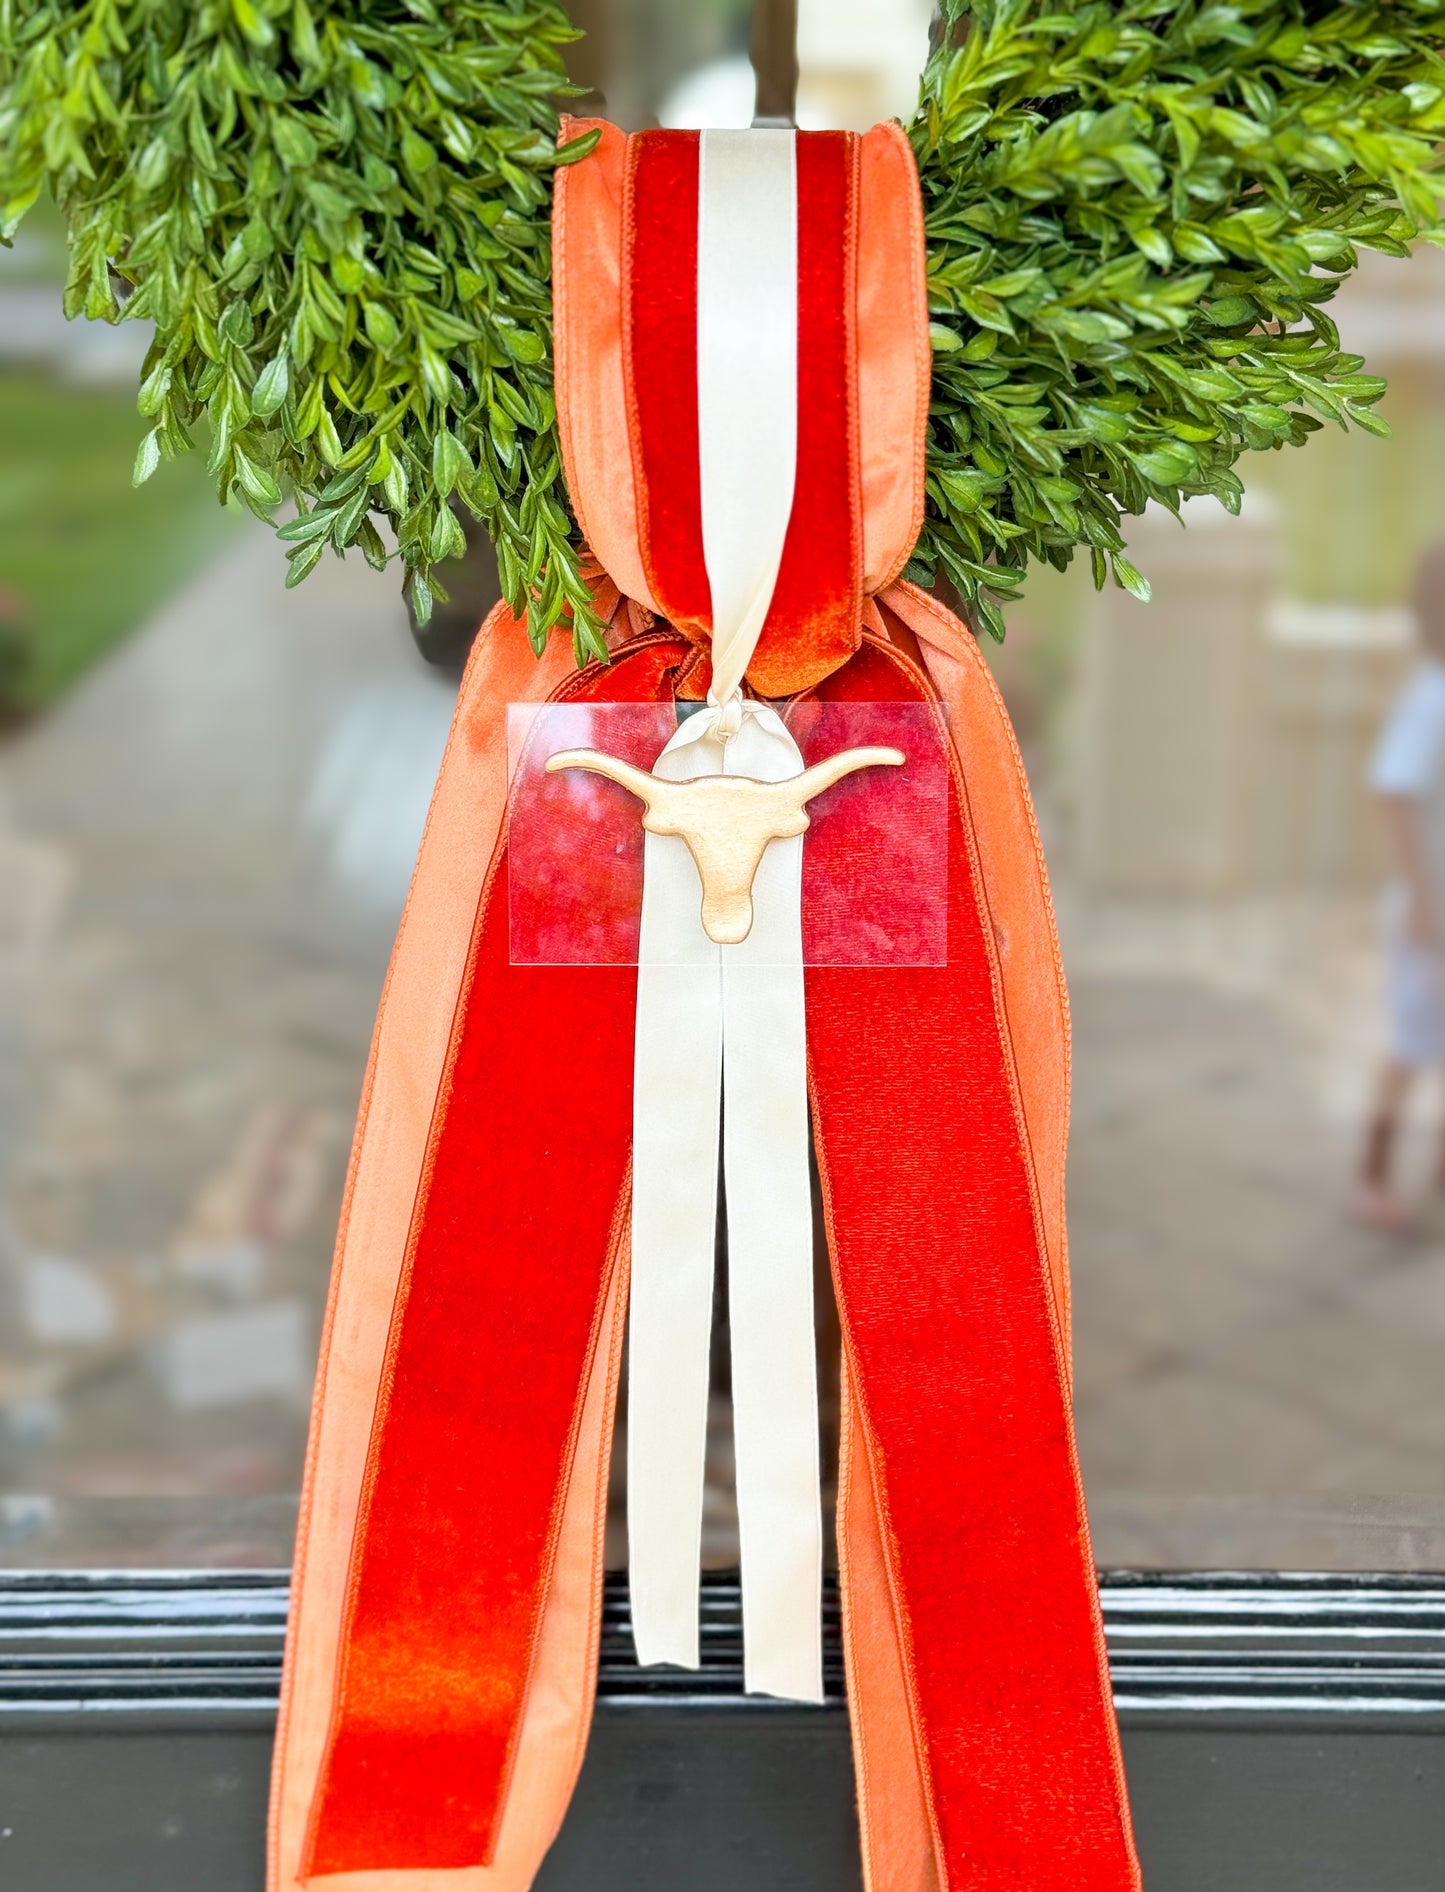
727,821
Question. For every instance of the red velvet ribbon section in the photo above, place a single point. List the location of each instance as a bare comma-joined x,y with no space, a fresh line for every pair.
947,1314
485,1370
814,621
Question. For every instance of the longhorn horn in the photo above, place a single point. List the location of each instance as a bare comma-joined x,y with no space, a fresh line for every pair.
643,785
834,767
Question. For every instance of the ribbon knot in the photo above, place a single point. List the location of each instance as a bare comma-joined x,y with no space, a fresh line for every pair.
729,713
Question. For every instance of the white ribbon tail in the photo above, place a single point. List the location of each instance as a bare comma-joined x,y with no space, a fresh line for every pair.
770,1261
709,1016
677,1081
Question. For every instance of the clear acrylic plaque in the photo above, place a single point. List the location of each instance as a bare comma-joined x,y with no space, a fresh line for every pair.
875,855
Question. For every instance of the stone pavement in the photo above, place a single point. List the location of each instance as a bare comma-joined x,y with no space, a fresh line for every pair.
1258,1381
202,855
213,835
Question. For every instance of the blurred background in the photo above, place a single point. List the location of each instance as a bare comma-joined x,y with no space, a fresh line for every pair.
211,790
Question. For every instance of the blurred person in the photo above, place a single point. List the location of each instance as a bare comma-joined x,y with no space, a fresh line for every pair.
1407,774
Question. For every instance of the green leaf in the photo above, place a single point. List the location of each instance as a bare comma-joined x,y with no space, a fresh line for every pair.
967,489
420,593
1132,581
303,560
576,148
1230,311
523,345
304,42
372,548
272,386
154,165
154,388
256,483
435,374
1367,419
306,527
253,24
257,242
1166,465
1152,242
237,324
446,539
418,154
381,325
1195,244
147,458
292,140
450,464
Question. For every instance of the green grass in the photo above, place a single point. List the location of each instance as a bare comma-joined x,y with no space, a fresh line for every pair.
85,557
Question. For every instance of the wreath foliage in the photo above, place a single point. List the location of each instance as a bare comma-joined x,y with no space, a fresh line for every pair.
336,213
1136,214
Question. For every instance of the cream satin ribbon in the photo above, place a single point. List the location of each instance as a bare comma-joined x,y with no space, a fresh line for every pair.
747,381
714,1019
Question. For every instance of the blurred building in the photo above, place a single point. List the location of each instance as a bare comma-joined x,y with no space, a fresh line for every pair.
1221,733
859,60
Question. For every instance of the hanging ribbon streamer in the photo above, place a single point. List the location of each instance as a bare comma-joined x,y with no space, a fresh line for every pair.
714,1020
729,1018
456,1480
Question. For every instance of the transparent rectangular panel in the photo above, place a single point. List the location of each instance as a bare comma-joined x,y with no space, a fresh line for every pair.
875,852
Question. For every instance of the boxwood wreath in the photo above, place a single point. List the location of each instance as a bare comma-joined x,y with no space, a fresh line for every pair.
336,214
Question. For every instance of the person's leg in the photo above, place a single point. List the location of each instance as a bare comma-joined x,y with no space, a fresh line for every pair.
1375,1201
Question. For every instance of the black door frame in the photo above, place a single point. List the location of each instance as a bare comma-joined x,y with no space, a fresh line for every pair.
1282,1734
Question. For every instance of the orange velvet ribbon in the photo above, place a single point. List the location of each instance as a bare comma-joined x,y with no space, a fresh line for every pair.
446,1598
625,292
